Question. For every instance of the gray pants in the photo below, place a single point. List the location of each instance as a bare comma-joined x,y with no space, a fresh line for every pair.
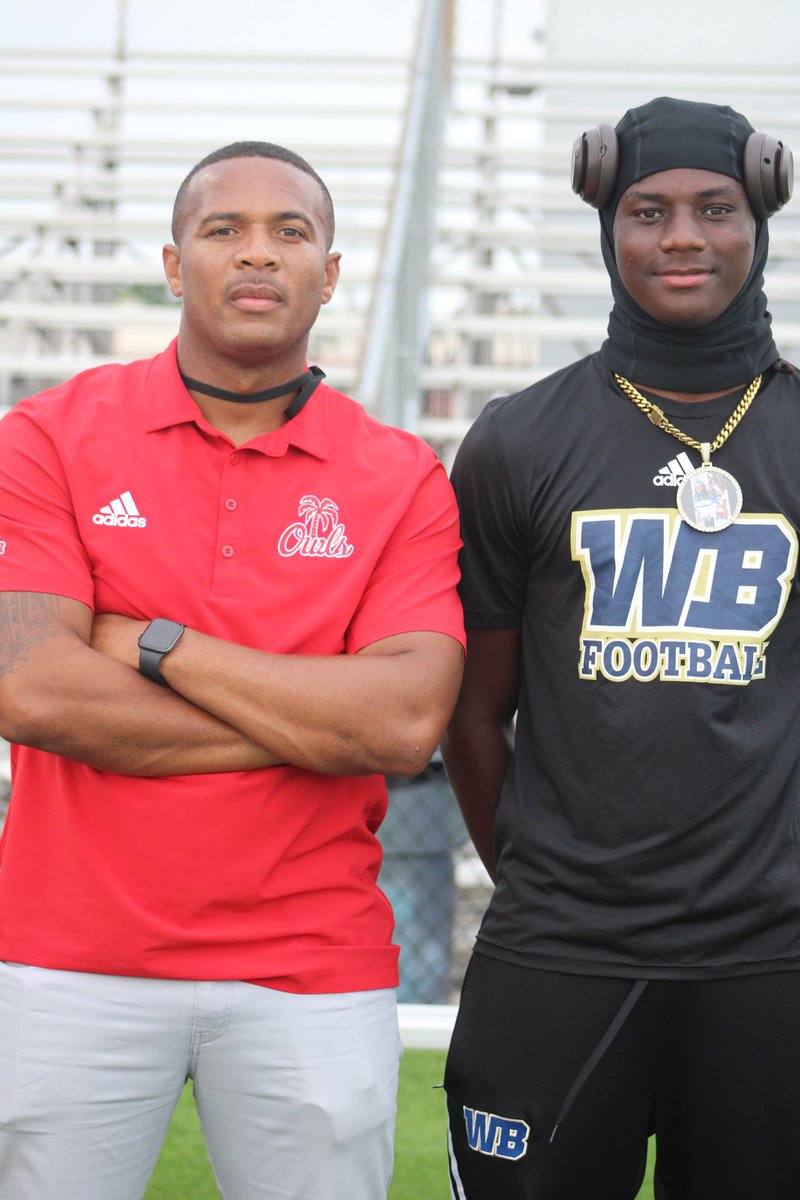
296,1094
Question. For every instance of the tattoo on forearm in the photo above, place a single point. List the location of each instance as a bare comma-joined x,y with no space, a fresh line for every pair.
27,619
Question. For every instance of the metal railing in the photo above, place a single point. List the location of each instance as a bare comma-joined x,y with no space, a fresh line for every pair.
396,329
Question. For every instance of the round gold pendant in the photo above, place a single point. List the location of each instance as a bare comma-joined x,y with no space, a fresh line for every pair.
709,499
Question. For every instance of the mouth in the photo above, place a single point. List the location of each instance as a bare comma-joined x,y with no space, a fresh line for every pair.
683,277
255,297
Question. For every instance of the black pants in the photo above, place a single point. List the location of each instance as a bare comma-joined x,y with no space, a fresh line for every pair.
554,1083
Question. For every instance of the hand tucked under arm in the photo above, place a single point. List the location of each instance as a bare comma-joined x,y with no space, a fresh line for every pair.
381,711
60,695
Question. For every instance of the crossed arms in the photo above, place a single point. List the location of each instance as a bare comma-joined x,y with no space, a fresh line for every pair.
69,685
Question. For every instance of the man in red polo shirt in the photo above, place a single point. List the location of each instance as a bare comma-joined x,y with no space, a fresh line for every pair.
228,608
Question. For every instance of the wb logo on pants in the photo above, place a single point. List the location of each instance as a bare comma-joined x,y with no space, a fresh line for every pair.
501,1137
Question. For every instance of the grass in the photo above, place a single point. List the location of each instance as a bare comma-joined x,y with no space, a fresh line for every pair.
420,1157
183,1171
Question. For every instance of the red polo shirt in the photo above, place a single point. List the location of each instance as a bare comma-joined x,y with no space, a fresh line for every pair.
318,538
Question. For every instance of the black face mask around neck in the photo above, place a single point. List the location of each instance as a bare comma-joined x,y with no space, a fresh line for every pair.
729,351
304,385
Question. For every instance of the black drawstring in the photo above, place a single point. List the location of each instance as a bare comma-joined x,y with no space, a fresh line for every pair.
599,1051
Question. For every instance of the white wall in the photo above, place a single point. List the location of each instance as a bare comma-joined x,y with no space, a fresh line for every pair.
680,33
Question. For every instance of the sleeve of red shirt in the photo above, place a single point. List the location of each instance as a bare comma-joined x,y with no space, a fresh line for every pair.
414,585
40,547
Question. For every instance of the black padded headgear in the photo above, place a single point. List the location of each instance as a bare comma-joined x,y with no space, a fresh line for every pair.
663,135
606,161
669,133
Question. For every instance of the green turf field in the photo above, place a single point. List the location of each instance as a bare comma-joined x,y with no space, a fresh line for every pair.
420,1172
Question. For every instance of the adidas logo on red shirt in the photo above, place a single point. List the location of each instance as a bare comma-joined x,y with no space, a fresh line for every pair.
121,512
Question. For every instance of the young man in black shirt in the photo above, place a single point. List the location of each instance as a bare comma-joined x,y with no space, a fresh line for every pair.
626,747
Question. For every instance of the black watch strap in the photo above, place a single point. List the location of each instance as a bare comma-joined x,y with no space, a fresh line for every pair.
150,664
158,639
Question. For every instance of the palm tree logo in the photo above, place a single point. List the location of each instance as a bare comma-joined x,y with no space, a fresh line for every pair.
318,515
319,534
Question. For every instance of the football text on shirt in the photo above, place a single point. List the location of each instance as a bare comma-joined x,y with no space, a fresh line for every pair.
664,601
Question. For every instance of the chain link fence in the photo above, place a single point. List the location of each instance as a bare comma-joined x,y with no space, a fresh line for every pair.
437,886
435,882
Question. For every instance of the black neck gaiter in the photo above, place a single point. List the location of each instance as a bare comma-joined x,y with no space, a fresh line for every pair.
738,344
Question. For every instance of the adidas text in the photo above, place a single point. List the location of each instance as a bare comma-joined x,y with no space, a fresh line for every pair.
668,480
122,520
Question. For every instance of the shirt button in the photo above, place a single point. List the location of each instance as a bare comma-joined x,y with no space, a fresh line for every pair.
231,505
234,459
228,551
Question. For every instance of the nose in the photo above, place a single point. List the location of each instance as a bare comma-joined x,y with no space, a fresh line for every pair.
682,231
258,251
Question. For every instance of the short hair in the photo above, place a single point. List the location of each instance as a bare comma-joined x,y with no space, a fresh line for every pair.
253,150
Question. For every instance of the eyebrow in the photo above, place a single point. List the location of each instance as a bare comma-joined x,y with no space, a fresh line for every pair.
705,194
213,218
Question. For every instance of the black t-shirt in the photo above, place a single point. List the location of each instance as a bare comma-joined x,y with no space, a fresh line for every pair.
650,822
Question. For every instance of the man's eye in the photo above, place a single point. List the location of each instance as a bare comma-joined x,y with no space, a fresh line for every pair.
222,231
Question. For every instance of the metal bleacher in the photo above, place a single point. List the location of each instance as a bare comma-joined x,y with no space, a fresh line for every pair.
469,268
519,254
85,207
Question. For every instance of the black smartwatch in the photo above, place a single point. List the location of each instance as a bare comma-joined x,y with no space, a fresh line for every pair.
157,640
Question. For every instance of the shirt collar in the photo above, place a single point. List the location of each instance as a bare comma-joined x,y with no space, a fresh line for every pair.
168,403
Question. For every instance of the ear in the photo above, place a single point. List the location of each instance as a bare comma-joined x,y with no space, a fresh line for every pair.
331,275
171,257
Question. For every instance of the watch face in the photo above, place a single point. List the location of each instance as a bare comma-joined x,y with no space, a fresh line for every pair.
160,635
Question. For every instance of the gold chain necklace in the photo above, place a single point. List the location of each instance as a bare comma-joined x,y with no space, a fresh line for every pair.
709,499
